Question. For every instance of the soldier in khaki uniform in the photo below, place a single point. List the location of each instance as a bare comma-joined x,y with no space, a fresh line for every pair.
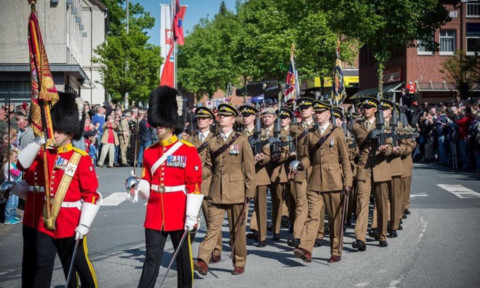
396,168
231,165
407,161
327,153
249,116
124,137
276,168
200,139
298,185
373,173
353,157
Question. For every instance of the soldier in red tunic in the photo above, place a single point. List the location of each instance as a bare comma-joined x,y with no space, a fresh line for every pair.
170,181
73,193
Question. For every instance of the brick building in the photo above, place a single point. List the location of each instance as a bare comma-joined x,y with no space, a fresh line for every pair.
422,67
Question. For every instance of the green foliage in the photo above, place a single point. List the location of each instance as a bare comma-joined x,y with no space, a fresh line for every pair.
462,71
387,25
119,48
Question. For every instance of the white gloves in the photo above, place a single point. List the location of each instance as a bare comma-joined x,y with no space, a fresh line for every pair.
81,231
89,211
142,189
194,202
28,154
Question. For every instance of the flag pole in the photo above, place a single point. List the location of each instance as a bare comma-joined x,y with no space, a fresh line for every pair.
295,75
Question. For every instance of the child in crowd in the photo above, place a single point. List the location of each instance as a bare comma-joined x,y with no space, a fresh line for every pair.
12,171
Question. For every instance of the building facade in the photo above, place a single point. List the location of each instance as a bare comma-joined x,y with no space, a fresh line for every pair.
71,30
422,67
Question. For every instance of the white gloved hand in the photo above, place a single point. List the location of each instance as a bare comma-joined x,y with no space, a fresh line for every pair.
39,140
132,198
81,231
190,223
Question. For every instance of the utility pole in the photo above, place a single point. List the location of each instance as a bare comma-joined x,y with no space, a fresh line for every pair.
126,58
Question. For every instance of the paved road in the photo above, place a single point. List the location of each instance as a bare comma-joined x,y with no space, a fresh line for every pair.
437,248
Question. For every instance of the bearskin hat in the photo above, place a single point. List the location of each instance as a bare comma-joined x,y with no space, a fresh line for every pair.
68,115
163,109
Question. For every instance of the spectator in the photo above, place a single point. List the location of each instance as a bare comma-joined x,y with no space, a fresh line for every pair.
463,125
11,173
27,136
118,119
3,123
144,135
474,140
98,121
90,135
3,151
109,141
124,137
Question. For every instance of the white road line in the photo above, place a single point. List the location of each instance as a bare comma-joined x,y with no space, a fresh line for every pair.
114,199
459,191
363,284
418,195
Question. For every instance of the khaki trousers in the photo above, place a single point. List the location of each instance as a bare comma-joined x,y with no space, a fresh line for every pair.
364,188
396,211
216,214
261,211
406,185
218,248
321,223
123,149
301,207
276,192
317,202
109,149
352,203
374,224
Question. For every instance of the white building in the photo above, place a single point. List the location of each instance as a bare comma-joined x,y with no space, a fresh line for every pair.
71,30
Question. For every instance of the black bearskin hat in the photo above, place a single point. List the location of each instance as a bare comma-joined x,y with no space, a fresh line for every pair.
68,115
163,109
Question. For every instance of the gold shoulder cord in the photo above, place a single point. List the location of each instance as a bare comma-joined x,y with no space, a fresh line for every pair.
61,191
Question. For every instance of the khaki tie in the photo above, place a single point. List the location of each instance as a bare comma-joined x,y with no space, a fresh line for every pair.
202,137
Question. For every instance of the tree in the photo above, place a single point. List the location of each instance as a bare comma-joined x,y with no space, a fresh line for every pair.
119,48
388,24
462,71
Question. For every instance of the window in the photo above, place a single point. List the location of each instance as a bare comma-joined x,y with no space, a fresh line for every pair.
422,49
447,42
473,10
473,38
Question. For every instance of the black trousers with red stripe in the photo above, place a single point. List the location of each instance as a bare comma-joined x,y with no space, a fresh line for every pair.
47,248
155,244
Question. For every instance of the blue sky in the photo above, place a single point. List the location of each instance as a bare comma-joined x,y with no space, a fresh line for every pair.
196,10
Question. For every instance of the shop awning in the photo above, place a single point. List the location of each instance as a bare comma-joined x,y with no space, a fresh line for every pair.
387,89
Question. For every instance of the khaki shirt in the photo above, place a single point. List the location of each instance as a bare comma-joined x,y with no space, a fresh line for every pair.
330,164
206,179
232,172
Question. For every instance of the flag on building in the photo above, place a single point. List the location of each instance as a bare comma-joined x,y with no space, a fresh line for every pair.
44,94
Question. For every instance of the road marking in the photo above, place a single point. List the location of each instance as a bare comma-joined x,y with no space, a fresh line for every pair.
363,284
114,199
418,195
459,191
394,283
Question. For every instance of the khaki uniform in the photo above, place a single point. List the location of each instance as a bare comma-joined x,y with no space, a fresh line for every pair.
407,161
278,178
206,179
124,140
262,182
299,185
232,175
373,173
330,173
353,157
397,171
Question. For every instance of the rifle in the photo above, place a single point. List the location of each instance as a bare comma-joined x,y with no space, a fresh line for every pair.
379,133
275,140
255,141
394,124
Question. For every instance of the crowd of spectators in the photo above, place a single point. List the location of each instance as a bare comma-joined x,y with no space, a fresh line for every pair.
449,133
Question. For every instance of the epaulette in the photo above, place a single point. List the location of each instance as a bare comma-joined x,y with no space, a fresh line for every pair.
80,151
187,143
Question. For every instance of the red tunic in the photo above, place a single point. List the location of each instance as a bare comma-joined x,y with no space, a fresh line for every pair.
167,210
83,186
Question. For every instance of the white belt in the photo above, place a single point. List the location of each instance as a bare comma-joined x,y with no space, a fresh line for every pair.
36,189
166,189
76,204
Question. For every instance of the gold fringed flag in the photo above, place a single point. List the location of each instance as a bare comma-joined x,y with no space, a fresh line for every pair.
338,87
44,93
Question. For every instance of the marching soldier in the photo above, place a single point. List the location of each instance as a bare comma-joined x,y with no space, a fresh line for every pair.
248,117
373,174
396,168
298,185
231,165
407,161
326,153
170,181
205,119
73,190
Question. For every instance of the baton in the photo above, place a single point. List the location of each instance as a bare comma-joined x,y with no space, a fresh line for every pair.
344,201
70,269
180,244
